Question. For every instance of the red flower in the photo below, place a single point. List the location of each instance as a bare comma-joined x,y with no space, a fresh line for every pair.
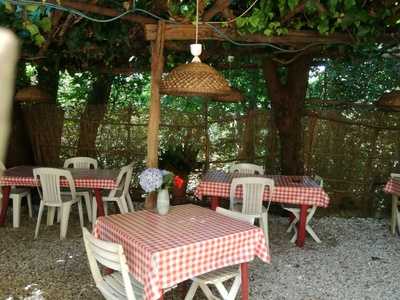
178,182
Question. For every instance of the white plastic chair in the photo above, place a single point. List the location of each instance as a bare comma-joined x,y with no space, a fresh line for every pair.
119,284
16,195
81,162
395,208
252,203
310,213
247,168
51,196
119,195
218,277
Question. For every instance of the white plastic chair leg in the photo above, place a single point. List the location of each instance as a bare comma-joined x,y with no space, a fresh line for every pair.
16,210
293,239
192,291
395,213
398,221
39,219
65,211
105,205
94,212
51,210
207,292
129,202
88,205
235,287
222,291
312,233
264,226
80,213
29,201
123,207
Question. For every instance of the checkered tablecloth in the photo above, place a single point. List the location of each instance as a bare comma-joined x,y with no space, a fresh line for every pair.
162,251
84,178
288,189
393,186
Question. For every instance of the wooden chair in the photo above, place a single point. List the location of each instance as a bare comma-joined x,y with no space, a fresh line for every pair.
81,162
247,168
218,277
51,196
310,213
119,284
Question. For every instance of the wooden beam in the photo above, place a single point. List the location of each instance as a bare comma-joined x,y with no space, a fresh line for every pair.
103,11
157,65
184,32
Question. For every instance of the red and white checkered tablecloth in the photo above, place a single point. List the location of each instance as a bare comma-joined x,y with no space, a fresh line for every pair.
288,189
393,186
162,251
83,178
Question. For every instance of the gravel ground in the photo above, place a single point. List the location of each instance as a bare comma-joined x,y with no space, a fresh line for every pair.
358,259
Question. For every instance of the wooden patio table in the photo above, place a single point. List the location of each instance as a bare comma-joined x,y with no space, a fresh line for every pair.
393,187
162,251
96,179
298,190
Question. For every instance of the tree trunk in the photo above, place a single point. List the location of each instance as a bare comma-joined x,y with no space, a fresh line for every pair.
93,115
287,89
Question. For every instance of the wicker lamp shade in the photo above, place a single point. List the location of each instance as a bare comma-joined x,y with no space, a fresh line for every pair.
234,95
194,79
390,100
32,94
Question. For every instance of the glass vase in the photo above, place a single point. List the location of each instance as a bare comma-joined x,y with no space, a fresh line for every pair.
163,202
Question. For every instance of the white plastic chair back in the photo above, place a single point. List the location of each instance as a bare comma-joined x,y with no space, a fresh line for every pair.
110,255
253,191
123,181
49,189
235,215
246,168
81,163
394,175
318,179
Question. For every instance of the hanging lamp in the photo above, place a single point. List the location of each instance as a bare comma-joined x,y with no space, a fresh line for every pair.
234,95
194,78
390,101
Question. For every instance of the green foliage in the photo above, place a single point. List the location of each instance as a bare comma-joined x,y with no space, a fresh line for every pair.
361,19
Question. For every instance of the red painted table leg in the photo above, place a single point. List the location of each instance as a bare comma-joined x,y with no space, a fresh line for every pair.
214,202
244,270
301,229
4,206
99,202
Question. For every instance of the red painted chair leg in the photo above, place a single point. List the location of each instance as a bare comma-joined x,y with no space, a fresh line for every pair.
214,202
4,206
301,230
244,270
99,201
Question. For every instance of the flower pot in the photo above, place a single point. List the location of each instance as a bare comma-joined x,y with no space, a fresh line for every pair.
163,202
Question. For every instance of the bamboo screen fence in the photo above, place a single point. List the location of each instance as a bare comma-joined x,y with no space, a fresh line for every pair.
353,150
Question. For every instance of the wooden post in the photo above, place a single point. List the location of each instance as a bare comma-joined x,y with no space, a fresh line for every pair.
207,138
157,65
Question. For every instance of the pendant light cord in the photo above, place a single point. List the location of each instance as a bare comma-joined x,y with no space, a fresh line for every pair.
197,21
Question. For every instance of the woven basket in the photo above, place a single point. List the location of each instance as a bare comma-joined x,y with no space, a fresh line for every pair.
194,79
234,96
390,100
32,94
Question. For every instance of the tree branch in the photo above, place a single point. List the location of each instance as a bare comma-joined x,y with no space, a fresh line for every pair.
217,8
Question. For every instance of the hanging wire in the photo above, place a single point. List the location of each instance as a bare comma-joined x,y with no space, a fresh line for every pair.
134,9
197,21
